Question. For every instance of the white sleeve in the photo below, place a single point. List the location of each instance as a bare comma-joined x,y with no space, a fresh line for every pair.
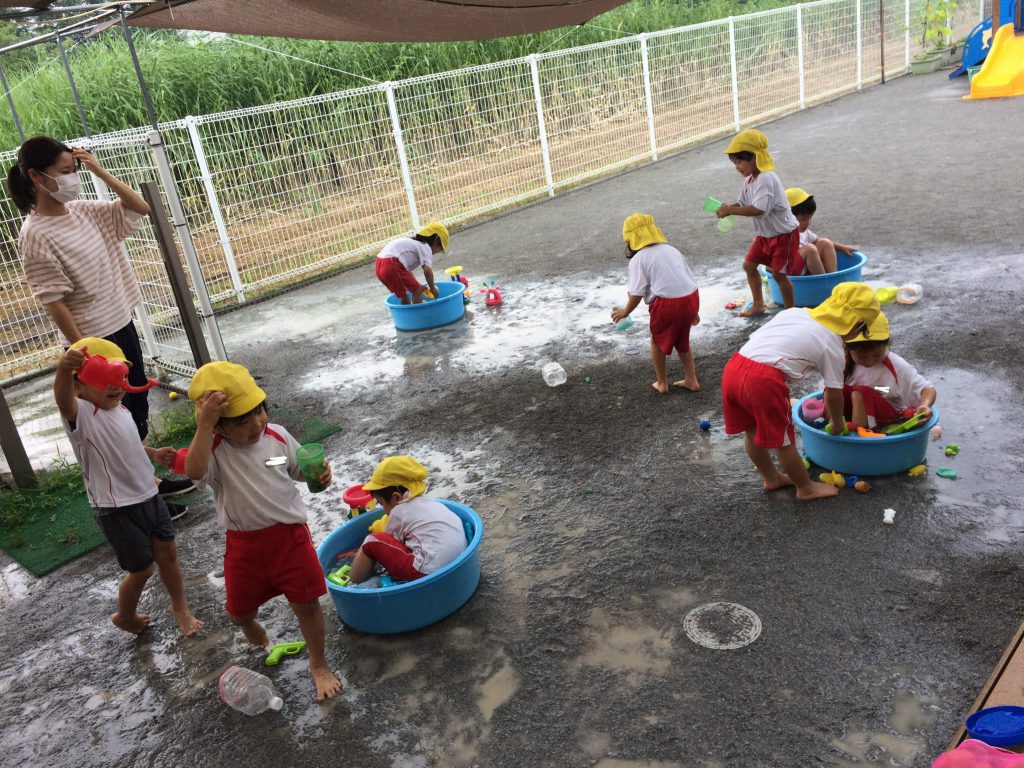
911,383
637,283
831,363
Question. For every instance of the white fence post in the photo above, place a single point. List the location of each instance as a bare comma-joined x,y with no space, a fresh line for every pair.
163,168
396,129
541,126
735,81
648,97
800,52
860,48
906,40
218,217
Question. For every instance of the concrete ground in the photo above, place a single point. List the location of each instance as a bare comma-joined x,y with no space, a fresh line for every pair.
609,515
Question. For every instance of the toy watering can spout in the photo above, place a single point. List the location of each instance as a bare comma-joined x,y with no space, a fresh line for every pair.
101,373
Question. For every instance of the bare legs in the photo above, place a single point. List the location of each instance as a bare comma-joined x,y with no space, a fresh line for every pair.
754,281
859,415
128,594
660,362
794,471
311,622
819,257
362,567
130,591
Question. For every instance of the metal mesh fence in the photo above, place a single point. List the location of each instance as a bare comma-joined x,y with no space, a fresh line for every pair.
276,194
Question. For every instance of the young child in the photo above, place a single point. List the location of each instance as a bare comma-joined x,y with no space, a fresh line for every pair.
755,383
398,258
119,481
660,276
777,244
818,253
269,550
870,366
422,535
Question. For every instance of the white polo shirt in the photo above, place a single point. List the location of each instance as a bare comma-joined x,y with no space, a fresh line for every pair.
766,193
412,253
798,345
660,270
432,531
905,387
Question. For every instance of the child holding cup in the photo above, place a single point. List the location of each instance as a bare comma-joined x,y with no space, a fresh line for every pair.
251,466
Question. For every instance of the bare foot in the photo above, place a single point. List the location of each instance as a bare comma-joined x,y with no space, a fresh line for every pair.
187,623
136,624
687,384
659,387
753,309
779,481
327,685
255,633
816,491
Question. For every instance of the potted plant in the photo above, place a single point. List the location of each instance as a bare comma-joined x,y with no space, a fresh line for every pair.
936,21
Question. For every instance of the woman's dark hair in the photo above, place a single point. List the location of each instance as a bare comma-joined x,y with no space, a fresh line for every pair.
861,346
36,154
387,493
430,240
741,155
807,207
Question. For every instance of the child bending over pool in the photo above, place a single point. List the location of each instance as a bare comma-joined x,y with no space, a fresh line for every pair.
763,198
398,258
660,276
795,344
422,535
818,253
881,387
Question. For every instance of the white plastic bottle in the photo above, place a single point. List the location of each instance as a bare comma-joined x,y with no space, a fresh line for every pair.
553,374
248,691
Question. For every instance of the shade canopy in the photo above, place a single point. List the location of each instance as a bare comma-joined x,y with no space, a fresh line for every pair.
372,20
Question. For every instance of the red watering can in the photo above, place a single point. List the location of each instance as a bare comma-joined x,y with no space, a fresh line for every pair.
101,373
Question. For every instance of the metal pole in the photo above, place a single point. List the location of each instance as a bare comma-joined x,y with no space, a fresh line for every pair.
71,82
860,49
881,37
13,448
541,126
218,217
396,130
735,80
648,97
176,275
150,110
10,103
906,35
800,52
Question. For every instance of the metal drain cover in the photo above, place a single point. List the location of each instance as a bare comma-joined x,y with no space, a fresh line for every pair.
722,626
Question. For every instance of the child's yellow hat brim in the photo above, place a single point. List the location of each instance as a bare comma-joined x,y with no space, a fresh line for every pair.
233,380
878,330
849,304
795,196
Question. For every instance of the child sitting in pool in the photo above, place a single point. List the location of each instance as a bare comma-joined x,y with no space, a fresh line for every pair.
422,535
880,386
818,253
398,258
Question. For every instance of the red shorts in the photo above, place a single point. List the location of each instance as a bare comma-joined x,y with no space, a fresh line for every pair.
755,396
396,277
875,404
393,555
671,321
279,560
780,253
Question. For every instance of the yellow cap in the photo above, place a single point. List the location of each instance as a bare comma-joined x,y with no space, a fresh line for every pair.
878,330
849,304
95,346
231,379
639,231
436,228
795,196
752,140
399,470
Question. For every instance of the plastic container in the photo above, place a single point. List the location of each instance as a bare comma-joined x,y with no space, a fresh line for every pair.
909,293
445,309
357,499
726,223
248,691
811,290
861,455
553,374
311,462
711,205
179,461
413,604
998,726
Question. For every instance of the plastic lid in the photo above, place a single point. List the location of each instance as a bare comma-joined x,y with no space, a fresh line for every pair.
276,702
998,726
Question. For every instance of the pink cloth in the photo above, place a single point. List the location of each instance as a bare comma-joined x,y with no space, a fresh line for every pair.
977,754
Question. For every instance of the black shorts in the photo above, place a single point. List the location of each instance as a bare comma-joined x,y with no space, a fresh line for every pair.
131,530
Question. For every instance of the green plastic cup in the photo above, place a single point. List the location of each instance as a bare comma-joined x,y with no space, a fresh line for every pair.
311,462
711,205
725,223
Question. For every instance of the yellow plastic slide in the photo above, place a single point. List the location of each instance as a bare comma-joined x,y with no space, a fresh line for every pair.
1003,71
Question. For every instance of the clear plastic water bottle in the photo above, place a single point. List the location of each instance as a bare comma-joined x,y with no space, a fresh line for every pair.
248,691
909,293
553,374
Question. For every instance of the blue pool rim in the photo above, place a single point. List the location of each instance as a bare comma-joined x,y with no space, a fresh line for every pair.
863,456
432,313
998,716
811,290
408,606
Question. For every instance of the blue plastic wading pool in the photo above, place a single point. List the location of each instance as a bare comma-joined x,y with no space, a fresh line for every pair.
863,455
413,604
811,290
430,313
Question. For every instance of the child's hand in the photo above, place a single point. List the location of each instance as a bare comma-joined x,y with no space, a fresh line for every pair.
725,209
326,478
164,456
619,314
923,412
211,408
696,320
71,361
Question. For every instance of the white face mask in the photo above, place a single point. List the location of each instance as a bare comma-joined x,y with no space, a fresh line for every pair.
69,187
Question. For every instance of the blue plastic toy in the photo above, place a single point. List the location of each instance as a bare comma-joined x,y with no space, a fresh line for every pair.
979,40
705,425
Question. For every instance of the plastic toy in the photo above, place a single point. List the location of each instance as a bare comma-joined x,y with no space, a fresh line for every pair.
937,432
428,294
899,429
492,295
340,576
886,295
862,485
279,651
358,500
447,308
172,395
833,478
917,471
852,480
813,409
807,463
889,516
705,425
846,429
454,274
386,581
179,461
101,373
863,432
811,290
378,526
946,472
1003,71
952,450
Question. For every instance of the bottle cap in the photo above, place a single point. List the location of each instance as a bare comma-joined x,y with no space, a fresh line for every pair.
276,702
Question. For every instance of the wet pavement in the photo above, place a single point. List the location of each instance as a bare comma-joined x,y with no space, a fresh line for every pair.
609,515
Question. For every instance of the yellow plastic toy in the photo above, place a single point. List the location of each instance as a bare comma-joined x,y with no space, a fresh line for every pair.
378,525
887,294
917,471
833,478
1002,74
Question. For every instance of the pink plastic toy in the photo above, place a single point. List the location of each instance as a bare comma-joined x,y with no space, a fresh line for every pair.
812,409
492,297
977,754
101,373
179,461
